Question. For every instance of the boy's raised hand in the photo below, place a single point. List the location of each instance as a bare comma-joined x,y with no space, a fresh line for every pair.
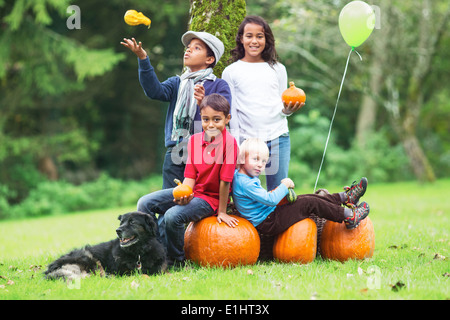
135,47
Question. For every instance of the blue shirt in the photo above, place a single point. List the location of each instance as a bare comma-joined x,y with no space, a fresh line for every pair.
168,91
253,201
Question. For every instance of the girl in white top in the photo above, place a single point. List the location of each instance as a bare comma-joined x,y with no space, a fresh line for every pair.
257,81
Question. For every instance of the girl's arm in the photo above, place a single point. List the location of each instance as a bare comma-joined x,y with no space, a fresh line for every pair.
222,215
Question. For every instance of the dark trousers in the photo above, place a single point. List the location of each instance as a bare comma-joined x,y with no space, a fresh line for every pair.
324,206
173,167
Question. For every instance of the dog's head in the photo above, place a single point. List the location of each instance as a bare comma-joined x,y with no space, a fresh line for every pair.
135,227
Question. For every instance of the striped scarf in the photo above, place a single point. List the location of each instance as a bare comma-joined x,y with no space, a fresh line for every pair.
186,105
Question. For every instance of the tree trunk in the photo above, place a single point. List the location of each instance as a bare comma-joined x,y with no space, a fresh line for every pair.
368,113
220,18
406,118
48,168
419,162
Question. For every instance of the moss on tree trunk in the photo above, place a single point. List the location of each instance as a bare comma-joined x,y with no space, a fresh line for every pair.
220,18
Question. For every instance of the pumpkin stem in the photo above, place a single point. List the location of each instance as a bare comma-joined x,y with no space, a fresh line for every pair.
291,84
178,182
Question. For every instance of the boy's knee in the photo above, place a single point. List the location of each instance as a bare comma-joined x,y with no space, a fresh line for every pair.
173,217
144,203
141,205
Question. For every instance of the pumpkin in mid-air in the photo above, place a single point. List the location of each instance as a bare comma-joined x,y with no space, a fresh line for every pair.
298,243
134,18
339,243
210,243
293,94
181,190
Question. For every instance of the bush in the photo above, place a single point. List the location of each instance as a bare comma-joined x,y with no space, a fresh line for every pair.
379,161
59,197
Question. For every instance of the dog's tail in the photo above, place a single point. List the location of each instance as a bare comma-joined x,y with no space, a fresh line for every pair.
74,265
66,272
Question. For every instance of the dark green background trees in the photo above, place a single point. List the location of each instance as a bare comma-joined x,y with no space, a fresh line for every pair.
71,107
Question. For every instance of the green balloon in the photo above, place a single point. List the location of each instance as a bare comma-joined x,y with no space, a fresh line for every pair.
356,22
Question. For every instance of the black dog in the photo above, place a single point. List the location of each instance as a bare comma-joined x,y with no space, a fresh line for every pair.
136,248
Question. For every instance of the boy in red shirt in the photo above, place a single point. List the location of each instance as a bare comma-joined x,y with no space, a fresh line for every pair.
212,156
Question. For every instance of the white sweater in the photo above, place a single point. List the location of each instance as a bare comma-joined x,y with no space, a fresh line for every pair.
256,90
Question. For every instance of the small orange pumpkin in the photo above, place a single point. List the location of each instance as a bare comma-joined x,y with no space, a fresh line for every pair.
293,94
134,18
182,190
210,243
298,243
339,243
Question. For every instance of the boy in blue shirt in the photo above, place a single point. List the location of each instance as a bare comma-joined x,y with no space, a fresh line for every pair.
260,207
184,94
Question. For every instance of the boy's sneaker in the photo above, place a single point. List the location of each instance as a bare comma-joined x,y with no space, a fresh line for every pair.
360,212
355,192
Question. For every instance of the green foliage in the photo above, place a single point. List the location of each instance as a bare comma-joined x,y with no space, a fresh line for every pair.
59,99
58,197
379,161
38,9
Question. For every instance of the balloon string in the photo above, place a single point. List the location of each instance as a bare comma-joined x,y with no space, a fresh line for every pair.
334,114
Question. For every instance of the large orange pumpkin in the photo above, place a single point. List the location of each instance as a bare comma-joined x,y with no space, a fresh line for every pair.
298,243
210,243
340,243
293,94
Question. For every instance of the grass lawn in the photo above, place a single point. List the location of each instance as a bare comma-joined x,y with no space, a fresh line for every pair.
411,259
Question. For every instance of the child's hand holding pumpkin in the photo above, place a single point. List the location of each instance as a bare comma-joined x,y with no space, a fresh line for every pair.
293,99
182,201
290,108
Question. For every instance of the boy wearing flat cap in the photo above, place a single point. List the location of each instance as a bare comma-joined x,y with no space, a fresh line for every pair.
184,94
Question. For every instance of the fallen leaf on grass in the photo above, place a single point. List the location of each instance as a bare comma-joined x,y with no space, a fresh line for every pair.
35,268
396,287
249,272
403,246
438,256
